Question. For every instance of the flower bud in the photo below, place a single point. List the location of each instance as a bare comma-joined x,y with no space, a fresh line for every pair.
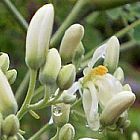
67,132
12,138
60,114
66,77
10,125
78,55
8,104
119,74
116,106
112,54
70,42
4,62
49,72
38,36
11,75
135,136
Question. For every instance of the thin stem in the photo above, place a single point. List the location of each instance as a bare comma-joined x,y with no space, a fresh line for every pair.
16,14
22,89
23,109
68,21
40,132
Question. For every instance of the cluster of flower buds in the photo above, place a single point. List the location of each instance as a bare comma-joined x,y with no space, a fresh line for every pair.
9,127
103,86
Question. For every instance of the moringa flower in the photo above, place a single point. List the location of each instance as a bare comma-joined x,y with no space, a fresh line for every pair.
104,89
38,36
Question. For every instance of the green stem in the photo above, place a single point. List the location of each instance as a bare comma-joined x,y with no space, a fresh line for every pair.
19,95
16,14
40,132
23,109
68,21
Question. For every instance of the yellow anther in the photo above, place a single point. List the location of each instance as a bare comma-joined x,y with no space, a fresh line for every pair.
97,71
100,70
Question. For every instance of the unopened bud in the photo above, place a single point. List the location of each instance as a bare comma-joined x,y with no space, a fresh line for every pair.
4,62
11,75
38,36
78,55
8,104
119,74
116,106
12,138
49,72
112,54
135,136
70,42
60,114
66,77
10,125
67,132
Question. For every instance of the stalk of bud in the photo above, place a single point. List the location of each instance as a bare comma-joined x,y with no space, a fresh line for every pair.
38,36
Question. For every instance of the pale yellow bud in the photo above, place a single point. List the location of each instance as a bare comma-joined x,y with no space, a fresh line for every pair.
60,114
70,42
10,125
116,106
135,136
38,36
4,62
112,54
49,72
8,104
11,75
67,132
66,77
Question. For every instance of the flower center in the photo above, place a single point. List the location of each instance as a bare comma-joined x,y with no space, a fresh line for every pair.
97,71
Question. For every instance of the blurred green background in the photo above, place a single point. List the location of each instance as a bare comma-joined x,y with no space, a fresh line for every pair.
99,26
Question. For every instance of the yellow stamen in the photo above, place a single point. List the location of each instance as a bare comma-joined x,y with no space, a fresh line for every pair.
98,71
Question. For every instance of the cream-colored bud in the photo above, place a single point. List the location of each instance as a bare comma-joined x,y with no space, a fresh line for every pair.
67,132
49,72
66,77
135,136
70,42
8,104
116,106
38,36
119,74
60,114
112,54
4,62
12,138
11,75
10,125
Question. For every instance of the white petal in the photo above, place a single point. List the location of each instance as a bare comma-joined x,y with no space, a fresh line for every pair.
99,53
